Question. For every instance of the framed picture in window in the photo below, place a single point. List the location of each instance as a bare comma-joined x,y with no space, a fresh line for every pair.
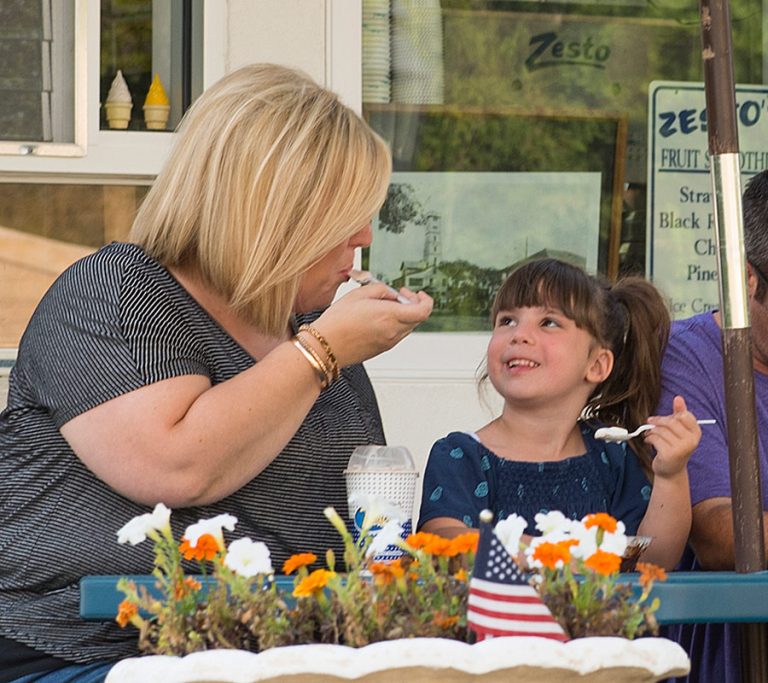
475,192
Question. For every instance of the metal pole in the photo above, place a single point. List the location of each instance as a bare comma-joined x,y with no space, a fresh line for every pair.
734,310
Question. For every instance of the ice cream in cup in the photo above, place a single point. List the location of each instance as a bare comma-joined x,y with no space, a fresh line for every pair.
156,106
119,103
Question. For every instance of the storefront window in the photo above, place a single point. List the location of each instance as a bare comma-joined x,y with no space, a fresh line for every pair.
46,227
153,45
520,129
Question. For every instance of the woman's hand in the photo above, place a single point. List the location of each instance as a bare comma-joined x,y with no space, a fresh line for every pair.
369,320
674,437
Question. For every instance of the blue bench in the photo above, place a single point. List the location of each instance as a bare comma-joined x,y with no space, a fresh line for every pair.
686,597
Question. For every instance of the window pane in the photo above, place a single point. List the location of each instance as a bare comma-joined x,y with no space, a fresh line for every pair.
520,128
45,228
37,70
142,39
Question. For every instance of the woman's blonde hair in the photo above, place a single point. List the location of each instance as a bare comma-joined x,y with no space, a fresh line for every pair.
269,173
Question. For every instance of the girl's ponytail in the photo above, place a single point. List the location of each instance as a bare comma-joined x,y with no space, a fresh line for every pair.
638,322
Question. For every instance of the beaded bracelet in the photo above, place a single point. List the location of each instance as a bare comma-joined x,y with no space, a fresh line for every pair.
326,347
314,361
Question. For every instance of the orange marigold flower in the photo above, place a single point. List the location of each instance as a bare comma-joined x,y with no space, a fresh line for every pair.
464,543
420,539
298,560
189,585
461,575
206,549
312,584
125,612
602,520
603,563
650,572
385,572
445,621
438,546
549,554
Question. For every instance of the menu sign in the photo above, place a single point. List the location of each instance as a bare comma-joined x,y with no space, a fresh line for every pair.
681,247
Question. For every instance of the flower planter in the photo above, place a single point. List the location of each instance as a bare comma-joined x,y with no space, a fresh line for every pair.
520,659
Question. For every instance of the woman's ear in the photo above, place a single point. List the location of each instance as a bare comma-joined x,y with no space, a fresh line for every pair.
600,365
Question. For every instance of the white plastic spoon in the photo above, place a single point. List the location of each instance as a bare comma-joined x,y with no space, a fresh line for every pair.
363,277
617,434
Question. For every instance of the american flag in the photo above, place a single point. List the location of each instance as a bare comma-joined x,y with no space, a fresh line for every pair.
501,601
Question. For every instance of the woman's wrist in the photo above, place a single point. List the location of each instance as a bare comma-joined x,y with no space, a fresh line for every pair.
318,353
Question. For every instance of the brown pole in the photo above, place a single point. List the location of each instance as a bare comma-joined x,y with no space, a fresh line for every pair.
734,309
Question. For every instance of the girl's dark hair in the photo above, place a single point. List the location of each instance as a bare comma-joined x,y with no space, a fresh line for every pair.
630,318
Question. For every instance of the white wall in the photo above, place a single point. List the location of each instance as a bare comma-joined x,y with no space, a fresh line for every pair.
289,32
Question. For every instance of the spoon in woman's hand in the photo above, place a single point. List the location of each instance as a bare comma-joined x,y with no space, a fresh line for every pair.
363,277
617,434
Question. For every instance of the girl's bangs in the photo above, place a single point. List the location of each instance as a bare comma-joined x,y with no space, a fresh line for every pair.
549,284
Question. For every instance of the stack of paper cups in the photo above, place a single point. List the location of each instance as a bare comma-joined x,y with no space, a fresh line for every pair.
376,474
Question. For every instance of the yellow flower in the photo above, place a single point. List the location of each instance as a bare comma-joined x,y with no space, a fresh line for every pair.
313,584
125,612
299,560
206,548
602,520
603,563
650,572
461,575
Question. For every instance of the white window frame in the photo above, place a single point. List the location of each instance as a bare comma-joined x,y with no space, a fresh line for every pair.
106,153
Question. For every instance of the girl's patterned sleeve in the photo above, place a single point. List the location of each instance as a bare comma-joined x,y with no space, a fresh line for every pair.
456,484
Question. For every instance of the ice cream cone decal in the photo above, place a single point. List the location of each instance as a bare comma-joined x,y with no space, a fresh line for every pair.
156,106
119,103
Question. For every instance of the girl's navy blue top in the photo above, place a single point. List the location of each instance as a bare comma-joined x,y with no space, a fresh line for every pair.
463,477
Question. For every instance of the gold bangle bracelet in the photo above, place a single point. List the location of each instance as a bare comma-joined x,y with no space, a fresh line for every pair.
314,362
323,365
326,347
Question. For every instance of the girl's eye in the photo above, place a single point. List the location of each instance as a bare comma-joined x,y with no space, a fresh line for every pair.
505,321
549,322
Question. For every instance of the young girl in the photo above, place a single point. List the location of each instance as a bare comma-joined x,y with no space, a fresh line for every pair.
569,354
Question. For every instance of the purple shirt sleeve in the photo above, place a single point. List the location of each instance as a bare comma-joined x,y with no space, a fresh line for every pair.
693,368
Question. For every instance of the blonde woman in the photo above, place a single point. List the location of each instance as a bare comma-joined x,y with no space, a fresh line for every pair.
179,367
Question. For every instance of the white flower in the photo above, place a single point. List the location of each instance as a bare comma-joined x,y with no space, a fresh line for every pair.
211,526
389,534
553,522
615,542
248,558
136,530
377,509
509,531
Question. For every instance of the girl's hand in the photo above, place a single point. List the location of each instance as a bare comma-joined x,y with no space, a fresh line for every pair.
674,437
368,321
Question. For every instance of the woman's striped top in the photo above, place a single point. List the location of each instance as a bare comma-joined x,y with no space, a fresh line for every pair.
113,322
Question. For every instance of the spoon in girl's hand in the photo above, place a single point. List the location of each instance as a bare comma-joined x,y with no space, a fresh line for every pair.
617,434
363,277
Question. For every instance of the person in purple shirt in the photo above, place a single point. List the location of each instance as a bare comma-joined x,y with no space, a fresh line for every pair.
693,365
